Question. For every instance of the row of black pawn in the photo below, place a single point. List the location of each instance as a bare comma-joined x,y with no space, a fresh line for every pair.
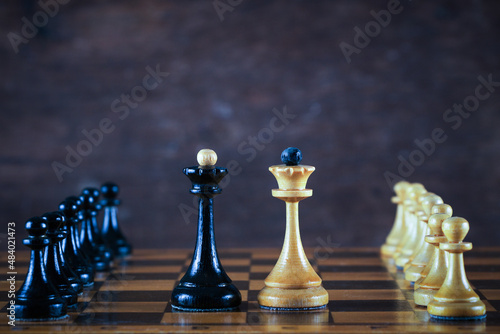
67,248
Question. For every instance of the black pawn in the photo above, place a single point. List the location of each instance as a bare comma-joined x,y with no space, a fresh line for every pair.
73,278
52,260
74,256
38,299
87,243
111,232
205,286
103,246
78,218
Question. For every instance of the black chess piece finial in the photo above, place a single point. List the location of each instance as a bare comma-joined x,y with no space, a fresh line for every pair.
111,231
291,156
74,256
104,249
52,259
87,243
38,299
205,286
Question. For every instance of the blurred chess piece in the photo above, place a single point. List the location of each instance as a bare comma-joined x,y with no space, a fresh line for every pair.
398,229
111,233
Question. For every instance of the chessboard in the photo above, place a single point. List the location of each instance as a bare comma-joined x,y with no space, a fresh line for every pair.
366,295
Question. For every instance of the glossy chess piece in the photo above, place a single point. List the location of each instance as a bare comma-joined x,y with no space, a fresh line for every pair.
38,299
398,228
52,258
205,286
432,280
71,275
87,242
426,250
411,239
73,254
92,212
456,300
111,232
292,284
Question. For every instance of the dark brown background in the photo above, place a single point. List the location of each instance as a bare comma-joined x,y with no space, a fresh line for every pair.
352,120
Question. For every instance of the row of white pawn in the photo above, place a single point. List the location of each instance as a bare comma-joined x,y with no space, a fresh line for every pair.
427,243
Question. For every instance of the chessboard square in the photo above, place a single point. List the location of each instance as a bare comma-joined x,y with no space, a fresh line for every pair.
258,276
345,254
256,285
485,284
491,294
489,306
264,262
155,263
233,254
363,261
252,295
358,276
152,254
131,296
141,276
374,317
130,270
495,304
266,253
261,269
481,268
236,268
357,285
136,318
145,285
495,261
119,307
268,317
227,262
395,294
370,306
241,285
352,269
192,318
244,295
237,276
483,276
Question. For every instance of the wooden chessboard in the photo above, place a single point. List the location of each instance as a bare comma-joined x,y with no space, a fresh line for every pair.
366,295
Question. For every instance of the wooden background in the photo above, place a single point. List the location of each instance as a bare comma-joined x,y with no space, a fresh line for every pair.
351,120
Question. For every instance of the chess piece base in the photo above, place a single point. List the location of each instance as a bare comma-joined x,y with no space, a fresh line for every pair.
293,299
31,310
465,310
206,298
414,272
388,250
423,297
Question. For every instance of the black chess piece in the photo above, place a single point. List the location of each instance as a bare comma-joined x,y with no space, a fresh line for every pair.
74,256
52,259
71,275
205,286
111,231
87,243
38,299
78,218
104,249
